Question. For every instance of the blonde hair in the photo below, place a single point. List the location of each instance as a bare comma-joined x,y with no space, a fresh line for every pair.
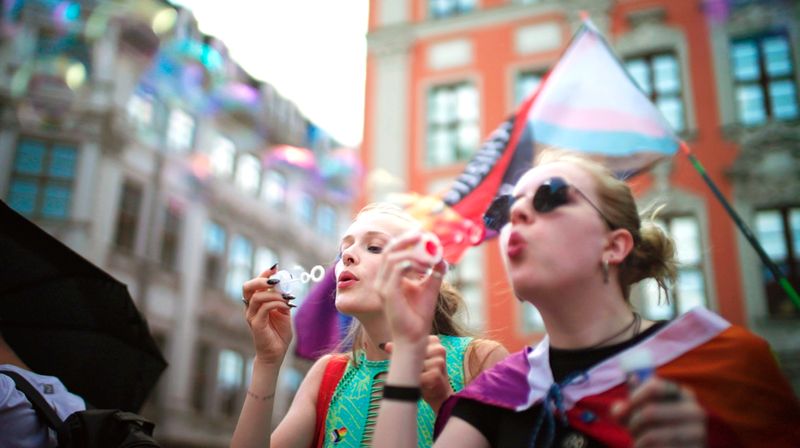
653,253
449,303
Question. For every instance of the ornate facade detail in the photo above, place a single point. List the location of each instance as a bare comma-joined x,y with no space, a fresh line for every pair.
767,171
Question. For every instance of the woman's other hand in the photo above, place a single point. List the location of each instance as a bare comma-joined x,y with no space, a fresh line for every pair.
408,289
661,413
268,314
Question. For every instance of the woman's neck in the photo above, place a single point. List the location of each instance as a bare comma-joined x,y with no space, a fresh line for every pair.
589,320
375,333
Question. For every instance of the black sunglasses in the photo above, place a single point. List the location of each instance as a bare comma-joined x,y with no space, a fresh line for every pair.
550,195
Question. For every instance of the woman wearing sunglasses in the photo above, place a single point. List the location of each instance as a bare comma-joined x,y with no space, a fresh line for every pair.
337,402
573,246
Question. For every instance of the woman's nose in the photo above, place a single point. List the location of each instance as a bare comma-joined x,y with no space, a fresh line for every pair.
521,212
348,258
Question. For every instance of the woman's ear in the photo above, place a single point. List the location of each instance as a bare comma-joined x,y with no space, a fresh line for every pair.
619,245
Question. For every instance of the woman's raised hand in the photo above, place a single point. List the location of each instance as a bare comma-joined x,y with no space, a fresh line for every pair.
661,413
268,315
408,288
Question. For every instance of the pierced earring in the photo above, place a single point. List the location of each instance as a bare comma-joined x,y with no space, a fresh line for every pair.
604,268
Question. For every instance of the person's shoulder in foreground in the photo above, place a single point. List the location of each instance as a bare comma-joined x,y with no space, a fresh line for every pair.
21,426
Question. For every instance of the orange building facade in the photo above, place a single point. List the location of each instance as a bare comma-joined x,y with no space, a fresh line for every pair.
442,74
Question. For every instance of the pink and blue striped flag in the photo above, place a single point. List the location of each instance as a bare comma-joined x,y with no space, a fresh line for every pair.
589,103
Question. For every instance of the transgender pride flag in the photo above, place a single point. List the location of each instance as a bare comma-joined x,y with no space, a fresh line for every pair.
589,103
586,103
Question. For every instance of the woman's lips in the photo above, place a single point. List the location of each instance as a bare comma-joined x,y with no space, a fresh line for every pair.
345,280
516,246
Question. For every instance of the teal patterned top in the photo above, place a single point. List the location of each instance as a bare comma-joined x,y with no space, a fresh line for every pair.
354,406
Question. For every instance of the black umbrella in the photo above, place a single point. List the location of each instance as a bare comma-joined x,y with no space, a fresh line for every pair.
68,318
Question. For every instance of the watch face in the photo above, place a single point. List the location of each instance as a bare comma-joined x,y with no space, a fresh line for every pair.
574,440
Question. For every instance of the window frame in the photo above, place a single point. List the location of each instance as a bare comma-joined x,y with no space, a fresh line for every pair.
457,154
648,57
44,178
774,294
123,214
764,79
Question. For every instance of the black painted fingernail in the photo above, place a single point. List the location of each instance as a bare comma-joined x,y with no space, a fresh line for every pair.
273,281
291,306
288,297
382,346
273,266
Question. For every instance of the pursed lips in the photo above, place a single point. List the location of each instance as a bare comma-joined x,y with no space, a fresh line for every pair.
346,279
516,245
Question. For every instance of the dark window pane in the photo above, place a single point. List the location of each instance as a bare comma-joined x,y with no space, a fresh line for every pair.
784,99
667,78
56,201
640,72
170,241
745,60
30,157
22,196
777,60
526,84
62,162
751,104
128,216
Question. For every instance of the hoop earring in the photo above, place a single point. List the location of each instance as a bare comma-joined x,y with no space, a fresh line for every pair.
604,268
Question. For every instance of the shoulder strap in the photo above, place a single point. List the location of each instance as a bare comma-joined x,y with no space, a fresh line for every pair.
330,379
40,405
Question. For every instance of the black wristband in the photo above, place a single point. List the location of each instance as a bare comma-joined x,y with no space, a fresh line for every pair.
401,393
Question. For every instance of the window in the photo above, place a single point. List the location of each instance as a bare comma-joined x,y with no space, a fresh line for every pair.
445,8
326,221
200,381
689,290
274,188
240,266
180,131
42,179
763,78
222,156
170,239
140,110
229,381
305,208
525,84
130,204
467,277
248,173
658,75
778,231
265,257
215,254
453,129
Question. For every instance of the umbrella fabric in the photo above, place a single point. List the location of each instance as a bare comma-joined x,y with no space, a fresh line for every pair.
66,317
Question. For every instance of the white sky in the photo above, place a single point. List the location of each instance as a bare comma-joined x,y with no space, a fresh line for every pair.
312,51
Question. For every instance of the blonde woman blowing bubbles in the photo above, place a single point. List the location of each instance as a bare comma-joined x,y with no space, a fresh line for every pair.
353,394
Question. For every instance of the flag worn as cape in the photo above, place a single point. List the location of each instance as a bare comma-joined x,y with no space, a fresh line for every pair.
588,103
731,371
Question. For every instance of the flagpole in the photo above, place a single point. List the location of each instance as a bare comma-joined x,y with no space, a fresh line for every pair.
782,280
